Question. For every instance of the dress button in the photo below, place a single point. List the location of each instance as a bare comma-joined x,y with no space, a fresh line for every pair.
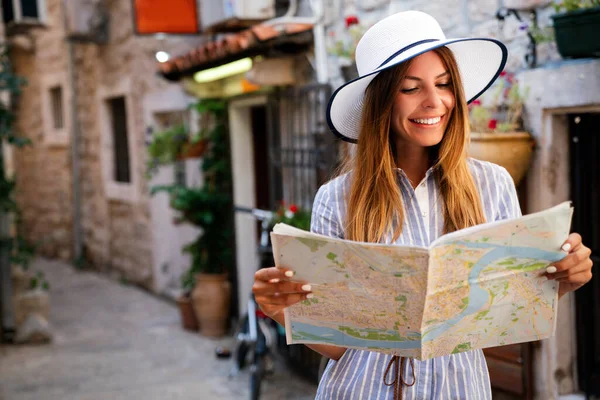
424,213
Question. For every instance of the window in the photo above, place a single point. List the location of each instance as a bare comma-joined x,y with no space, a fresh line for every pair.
55,108
118,147
17,11
118,111
56,100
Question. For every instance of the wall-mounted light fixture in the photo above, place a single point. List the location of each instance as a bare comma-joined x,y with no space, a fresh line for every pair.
223,71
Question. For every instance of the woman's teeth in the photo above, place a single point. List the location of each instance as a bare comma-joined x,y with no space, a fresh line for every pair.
427,121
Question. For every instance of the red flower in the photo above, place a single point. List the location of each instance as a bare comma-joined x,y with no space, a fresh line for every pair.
293,208
503,73
492,124
351,20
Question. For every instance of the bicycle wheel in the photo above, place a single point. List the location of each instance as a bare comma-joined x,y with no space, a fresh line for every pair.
256,377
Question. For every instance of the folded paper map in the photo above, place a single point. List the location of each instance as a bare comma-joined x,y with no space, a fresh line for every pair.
479,287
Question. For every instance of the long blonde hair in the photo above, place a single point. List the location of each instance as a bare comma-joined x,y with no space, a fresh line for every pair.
374,200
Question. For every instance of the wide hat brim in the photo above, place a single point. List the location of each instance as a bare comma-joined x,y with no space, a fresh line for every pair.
480,61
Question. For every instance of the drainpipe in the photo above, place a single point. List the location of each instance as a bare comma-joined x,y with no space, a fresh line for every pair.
75,165
319,37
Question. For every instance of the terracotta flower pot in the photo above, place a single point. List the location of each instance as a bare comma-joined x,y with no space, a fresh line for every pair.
511,150
211,297
186,310
194,150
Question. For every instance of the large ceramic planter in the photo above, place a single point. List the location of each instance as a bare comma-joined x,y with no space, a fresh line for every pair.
211,298
189,321
512,150
576,33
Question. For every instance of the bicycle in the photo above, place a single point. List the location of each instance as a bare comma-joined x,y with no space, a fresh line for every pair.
257,334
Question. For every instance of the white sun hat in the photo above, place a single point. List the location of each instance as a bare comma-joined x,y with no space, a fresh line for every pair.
400,37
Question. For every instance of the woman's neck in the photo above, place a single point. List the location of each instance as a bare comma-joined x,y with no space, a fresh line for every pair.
414,163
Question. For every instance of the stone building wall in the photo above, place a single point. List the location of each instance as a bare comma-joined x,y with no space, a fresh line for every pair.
43,173
458,18
116,232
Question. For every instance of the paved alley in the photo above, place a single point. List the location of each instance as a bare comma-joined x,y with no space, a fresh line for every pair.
113,342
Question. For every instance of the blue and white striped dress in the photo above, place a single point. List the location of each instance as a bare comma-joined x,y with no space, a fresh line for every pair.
359,374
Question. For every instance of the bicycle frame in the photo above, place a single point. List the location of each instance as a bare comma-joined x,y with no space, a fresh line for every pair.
254,334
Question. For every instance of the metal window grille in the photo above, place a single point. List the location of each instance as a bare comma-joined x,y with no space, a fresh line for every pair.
302,151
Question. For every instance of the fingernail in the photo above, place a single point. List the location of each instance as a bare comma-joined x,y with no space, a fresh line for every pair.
310,296
551,269
274,280
289,274
306,288
566,247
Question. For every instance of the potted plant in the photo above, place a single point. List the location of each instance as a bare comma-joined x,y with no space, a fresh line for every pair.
189,321
165,147
576,27
177,143
32,312
210,208
292,215
497,133
344,48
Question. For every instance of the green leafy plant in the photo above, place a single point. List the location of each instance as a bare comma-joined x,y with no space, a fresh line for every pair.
20,251
38,281
504,113
208,207
165,147
345,47
292,215
573,5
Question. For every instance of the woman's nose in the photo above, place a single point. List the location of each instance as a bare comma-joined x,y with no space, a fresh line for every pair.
432,99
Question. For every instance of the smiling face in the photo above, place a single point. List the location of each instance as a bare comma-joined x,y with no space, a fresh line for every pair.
423,105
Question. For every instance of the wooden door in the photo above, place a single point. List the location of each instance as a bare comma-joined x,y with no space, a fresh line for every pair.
584,132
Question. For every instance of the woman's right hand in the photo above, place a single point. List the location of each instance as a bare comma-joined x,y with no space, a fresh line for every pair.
275,290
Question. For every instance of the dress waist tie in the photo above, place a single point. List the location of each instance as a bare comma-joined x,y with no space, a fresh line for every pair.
398,381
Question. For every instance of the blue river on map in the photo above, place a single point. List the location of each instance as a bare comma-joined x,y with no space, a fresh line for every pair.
478,297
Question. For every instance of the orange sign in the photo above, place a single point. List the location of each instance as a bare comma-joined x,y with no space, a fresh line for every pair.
166,16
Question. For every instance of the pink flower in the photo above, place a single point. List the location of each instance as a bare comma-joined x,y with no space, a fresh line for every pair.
492,124
476,102
503,73
351,20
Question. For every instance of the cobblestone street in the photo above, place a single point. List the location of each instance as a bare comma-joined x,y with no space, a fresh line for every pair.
113,341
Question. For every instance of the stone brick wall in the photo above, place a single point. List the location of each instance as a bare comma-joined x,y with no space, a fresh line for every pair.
116,234
43,174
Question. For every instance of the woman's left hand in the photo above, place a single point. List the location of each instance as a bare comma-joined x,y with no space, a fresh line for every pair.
575,270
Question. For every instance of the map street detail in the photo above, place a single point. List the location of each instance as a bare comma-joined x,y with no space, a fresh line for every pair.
478,287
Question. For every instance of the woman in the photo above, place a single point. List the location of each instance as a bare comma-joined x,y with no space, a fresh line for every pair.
410,181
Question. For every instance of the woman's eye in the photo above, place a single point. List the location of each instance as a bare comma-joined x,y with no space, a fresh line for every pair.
445,85
410,90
